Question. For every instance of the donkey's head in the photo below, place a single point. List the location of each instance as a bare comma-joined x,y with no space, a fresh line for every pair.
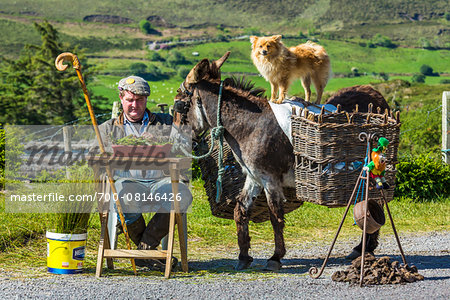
188,102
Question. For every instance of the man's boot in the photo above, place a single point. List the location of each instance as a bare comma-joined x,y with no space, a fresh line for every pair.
157,228
135,230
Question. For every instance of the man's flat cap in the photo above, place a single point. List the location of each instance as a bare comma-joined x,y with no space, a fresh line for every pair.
135,84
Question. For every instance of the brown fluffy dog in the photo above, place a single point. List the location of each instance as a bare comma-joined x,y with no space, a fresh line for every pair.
280,65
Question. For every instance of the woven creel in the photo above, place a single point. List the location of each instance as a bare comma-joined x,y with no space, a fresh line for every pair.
329,155
232,183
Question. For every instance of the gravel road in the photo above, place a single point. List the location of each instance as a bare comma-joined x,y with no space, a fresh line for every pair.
430,252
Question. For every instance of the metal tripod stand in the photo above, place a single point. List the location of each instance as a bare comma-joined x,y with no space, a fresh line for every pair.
313,271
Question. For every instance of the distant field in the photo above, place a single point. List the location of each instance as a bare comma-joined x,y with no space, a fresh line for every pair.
161,91
113,62
125,40
164,91
343,55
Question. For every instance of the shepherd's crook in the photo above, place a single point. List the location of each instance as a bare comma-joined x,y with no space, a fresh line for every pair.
70,57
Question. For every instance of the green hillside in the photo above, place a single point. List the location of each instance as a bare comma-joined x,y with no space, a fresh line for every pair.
273,14
115,23
109,33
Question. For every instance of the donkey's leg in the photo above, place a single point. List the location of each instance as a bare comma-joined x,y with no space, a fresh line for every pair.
371,245
250,191
275,197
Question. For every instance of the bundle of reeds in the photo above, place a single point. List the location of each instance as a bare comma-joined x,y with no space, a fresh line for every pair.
73,215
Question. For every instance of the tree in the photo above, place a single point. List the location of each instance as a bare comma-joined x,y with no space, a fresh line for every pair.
221,38
154,73
176,58
138,69
384,76
426,70
418,78
33,91
383,41
155,56
183,72
145,26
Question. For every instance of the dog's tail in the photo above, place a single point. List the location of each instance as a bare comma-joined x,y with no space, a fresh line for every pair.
320,53
318,50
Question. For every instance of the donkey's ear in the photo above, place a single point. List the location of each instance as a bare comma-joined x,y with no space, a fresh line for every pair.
221,60
197,72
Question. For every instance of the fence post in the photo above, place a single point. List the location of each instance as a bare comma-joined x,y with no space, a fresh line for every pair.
445,127
67,135
115,109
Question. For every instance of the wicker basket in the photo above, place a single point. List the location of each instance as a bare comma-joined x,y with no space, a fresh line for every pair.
232,184
329,154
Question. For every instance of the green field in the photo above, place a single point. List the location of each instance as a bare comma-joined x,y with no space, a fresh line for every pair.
161,91
164,91
399,63
343,56
112,48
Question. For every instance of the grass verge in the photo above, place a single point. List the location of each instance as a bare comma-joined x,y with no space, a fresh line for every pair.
23,245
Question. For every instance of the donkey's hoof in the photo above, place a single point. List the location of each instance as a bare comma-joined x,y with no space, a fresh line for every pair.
356,254
243,264
272,265
353,255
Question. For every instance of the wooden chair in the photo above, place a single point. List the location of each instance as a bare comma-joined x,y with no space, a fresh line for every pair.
173,165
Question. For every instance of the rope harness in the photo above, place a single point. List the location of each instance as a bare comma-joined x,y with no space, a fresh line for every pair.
366,159
216,132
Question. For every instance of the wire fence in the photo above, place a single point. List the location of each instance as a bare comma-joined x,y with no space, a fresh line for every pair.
56,130
425,122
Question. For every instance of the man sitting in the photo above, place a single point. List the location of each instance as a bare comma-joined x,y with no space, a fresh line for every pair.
137,120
